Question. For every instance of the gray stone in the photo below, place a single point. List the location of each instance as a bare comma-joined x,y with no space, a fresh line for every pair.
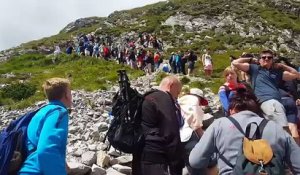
102,159
122,169
89,158
111,171
77,168
96,170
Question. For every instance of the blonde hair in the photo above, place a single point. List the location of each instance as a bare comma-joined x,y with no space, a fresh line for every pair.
55,88
229,70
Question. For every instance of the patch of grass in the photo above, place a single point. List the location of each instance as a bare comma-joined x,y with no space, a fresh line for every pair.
185,80
279,19
85,72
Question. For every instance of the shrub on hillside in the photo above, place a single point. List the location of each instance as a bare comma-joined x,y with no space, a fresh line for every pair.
185,80
18,91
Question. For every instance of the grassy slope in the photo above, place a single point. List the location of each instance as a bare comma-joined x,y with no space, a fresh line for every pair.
85,72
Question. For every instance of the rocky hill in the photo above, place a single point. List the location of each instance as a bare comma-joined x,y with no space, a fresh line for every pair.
198,24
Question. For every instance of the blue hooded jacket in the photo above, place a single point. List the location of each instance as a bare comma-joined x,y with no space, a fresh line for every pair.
47,140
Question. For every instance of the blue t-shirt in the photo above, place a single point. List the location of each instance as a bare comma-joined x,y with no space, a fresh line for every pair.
265,82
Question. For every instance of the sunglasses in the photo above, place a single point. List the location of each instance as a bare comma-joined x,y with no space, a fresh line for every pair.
267,57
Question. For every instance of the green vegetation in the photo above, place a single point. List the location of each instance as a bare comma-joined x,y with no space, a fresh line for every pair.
18,91
280,20
85,73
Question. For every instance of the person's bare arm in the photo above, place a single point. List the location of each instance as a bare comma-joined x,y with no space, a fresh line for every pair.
285,68
288,76
242,64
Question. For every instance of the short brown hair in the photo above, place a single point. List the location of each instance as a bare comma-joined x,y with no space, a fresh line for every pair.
55,88
267,51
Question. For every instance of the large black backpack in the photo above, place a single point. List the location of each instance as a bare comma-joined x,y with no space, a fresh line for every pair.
125,132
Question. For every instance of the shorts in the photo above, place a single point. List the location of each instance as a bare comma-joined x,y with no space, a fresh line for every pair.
291,110
208,67
191,65
274,110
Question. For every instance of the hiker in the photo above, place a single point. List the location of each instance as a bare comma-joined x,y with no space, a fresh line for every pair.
132,59
265,79
48,132
157,59
165,67
106,52
56,51
207,63
149,62
178,62
191,109
228,89
184,60
69,49
96,50
224,137
161,120
192,58
172,62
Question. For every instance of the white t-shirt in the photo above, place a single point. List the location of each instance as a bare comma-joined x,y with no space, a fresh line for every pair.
207,60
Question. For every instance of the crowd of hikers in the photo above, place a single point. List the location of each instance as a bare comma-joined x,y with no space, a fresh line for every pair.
258,133
144,52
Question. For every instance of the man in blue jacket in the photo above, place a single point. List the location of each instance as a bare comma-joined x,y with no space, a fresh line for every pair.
48,131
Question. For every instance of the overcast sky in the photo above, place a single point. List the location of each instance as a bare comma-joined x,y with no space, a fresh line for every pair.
25,20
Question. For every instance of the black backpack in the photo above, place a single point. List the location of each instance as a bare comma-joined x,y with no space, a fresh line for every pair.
125,131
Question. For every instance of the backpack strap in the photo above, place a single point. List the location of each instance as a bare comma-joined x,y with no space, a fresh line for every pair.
227,90
259,129
256,135
225,160
262,126
236,124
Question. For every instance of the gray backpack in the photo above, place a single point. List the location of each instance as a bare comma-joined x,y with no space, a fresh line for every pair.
255,156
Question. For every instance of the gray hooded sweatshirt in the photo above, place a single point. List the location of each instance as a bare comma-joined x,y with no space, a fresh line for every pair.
222,135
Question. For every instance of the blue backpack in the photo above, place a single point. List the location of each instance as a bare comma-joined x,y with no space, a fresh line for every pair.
12,144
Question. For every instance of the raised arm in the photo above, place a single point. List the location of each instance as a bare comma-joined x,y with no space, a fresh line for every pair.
289,73
242,64
285,68
288,76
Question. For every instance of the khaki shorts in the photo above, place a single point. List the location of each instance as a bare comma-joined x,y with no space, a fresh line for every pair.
274,110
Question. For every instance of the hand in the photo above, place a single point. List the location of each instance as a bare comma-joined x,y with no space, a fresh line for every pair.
255,61
277,66
298,102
